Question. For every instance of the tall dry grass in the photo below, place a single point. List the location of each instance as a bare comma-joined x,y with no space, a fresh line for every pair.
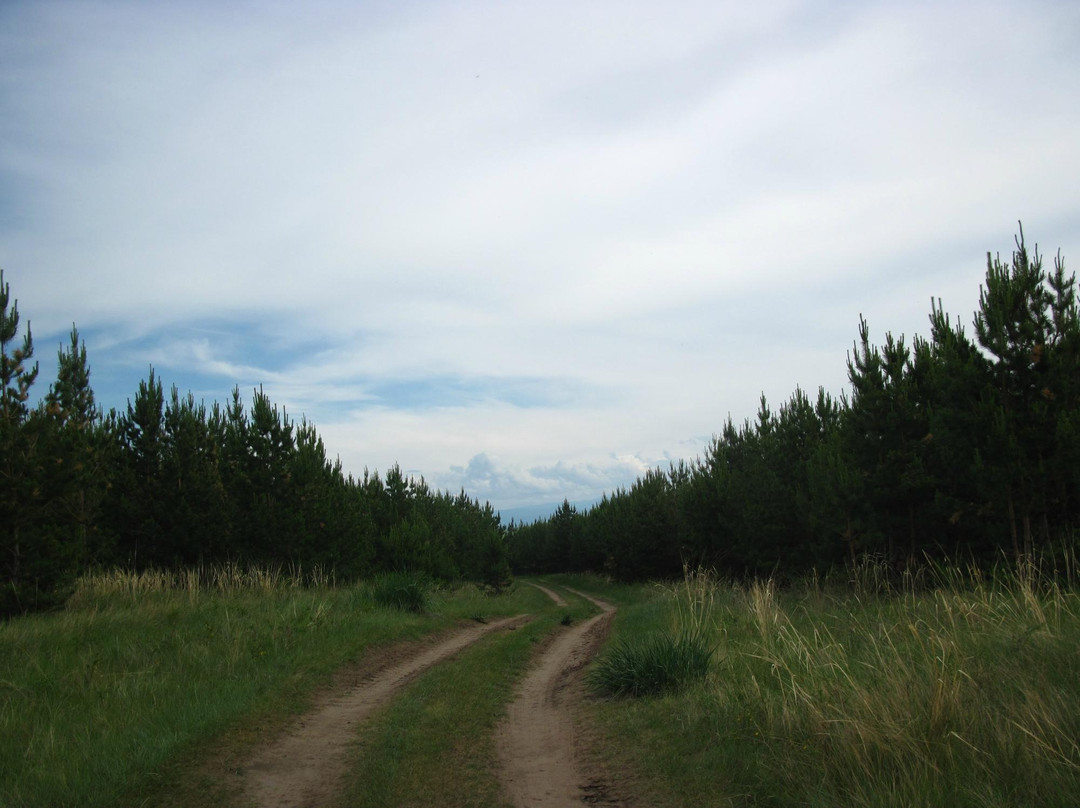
940,686
219,579
963,692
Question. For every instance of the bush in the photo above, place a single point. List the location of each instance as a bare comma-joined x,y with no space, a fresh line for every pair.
652,664
404,591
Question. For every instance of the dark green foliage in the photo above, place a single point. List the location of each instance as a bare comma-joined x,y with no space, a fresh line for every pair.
650,664
201,486
49,459
943,447
404,591
16,376
171,483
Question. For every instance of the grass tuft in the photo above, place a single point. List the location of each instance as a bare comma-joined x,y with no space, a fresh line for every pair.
661,661
650,665
404,591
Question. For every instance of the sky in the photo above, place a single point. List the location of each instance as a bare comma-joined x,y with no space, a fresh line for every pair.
530,250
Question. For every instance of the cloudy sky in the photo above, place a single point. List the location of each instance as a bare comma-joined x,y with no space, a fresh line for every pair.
531,249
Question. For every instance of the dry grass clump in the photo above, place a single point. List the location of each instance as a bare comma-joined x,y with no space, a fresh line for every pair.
967,693
228,578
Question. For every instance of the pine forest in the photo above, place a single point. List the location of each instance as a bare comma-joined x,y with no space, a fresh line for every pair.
962,445
956,446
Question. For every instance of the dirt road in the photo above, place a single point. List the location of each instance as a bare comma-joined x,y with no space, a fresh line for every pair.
558,599
303,768
540,766
536,740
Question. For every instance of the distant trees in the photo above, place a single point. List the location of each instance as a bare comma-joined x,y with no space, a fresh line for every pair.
170,482
949,444
946,445
196,485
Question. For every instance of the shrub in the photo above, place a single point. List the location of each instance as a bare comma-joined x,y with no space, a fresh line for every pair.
652,664
404,591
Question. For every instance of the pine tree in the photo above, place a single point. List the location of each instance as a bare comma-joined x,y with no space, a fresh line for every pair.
71,399
50,476
21,473
1013,325
955,387
1062,394
197,527
137,506
80,473
16,377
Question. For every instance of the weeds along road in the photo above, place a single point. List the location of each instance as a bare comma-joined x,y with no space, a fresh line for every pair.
540,764
303,768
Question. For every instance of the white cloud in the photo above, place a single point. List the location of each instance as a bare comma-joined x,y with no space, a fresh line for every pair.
656,211
516,486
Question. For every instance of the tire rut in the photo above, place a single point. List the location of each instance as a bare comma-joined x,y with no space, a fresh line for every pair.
303,768
537,740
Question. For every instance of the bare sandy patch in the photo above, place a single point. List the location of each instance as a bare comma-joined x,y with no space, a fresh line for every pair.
541,764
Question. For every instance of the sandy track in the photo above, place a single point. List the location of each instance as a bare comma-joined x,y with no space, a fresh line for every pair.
551,593
303,768
537,739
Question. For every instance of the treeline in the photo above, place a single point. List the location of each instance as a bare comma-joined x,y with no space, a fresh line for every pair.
172,483
952,445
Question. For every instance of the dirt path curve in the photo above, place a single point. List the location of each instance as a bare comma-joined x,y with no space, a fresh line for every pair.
536,741
303,768
551,593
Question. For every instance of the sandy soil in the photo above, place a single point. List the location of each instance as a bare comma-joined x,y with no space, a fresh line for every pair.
542,754
551,593
538,743
302,769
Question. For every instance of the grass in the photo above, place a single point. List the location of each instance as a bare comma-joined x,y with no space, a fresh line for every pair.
112,700
656,663
952,689
407,592
226,578
662,658
960,692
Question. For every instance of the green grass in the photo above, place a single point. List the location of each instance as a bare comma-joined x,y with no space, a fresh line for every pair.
112,700
963,695
662,657
601,587
655,663
407,592
963,692
435,744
